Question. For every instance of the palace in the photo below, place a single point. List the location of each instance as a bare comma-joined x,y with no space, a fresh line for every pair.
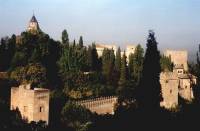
130,49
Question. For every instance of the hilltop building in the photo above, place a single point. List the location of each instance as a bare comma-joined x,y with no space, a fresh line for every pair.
33,25
129,49
33,104
101,47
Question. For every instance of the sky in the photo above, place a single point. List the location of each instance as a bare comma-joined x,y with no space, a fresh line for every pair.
176,22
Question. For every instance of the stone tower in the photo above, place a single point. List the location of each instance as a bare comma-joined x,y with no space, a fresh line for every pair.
169,88
33,25
178,57
33,104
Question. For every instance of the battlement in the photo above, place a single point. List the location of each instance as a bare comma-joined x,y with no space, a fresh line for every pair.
102,105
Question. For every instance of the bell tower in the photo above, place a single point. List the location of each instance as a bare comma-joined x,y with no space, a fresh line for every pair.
33,26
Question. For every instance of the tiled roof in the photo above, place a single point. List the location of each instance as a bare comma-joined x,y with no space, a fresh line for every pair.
33,19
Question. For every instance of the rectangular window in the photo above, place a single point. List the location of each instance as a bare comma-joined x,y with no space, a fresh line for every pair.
25,108
41,109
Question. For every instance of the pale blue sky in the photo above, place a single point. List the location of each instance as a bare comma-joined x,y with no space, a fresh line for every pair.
176,22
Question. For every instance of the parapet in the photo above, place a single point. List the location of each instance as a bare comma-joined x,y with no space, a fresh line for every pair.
102,105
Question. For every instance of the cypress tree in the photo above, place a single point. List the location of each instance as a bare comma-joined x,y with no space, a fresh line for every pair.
81,42
136,64
95,59
65,38
149,91
123,71
108,59
89,57
118,60
74,43
124,91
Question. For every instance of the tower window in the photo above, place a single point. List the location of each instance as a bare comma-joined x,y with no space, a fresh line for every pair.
41,109
25,108
170,91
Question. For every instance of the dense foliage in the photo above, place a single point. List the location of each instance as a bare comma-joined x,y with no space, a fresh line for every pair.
166,64
74,71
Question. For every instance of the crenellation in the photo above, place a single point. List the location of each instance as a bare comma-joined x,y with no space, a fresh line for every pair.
102,105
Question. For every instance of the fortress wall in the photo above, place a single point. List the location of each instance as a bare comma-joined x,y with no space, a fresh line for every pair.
185,90
101,105
169,87
29,101
169,93
41,105
23,100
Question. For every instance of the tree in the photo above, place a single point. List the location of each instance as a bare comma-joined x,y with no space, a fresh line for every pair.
123,70
149,91
118,63
123,77
136,64
74,43
65,38
75,116
108,59
57,102
166,64
197,69
32,73
81,42
19,59
93,61
7,51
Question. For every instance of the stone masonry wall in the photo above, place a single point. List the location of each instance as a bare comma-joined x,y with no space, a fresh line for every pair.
33,104
103,105
23,100
169,87
185,89
41,105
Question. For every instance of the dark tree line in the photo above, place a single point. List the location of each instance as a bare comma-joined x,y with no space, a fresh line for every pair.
74,71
